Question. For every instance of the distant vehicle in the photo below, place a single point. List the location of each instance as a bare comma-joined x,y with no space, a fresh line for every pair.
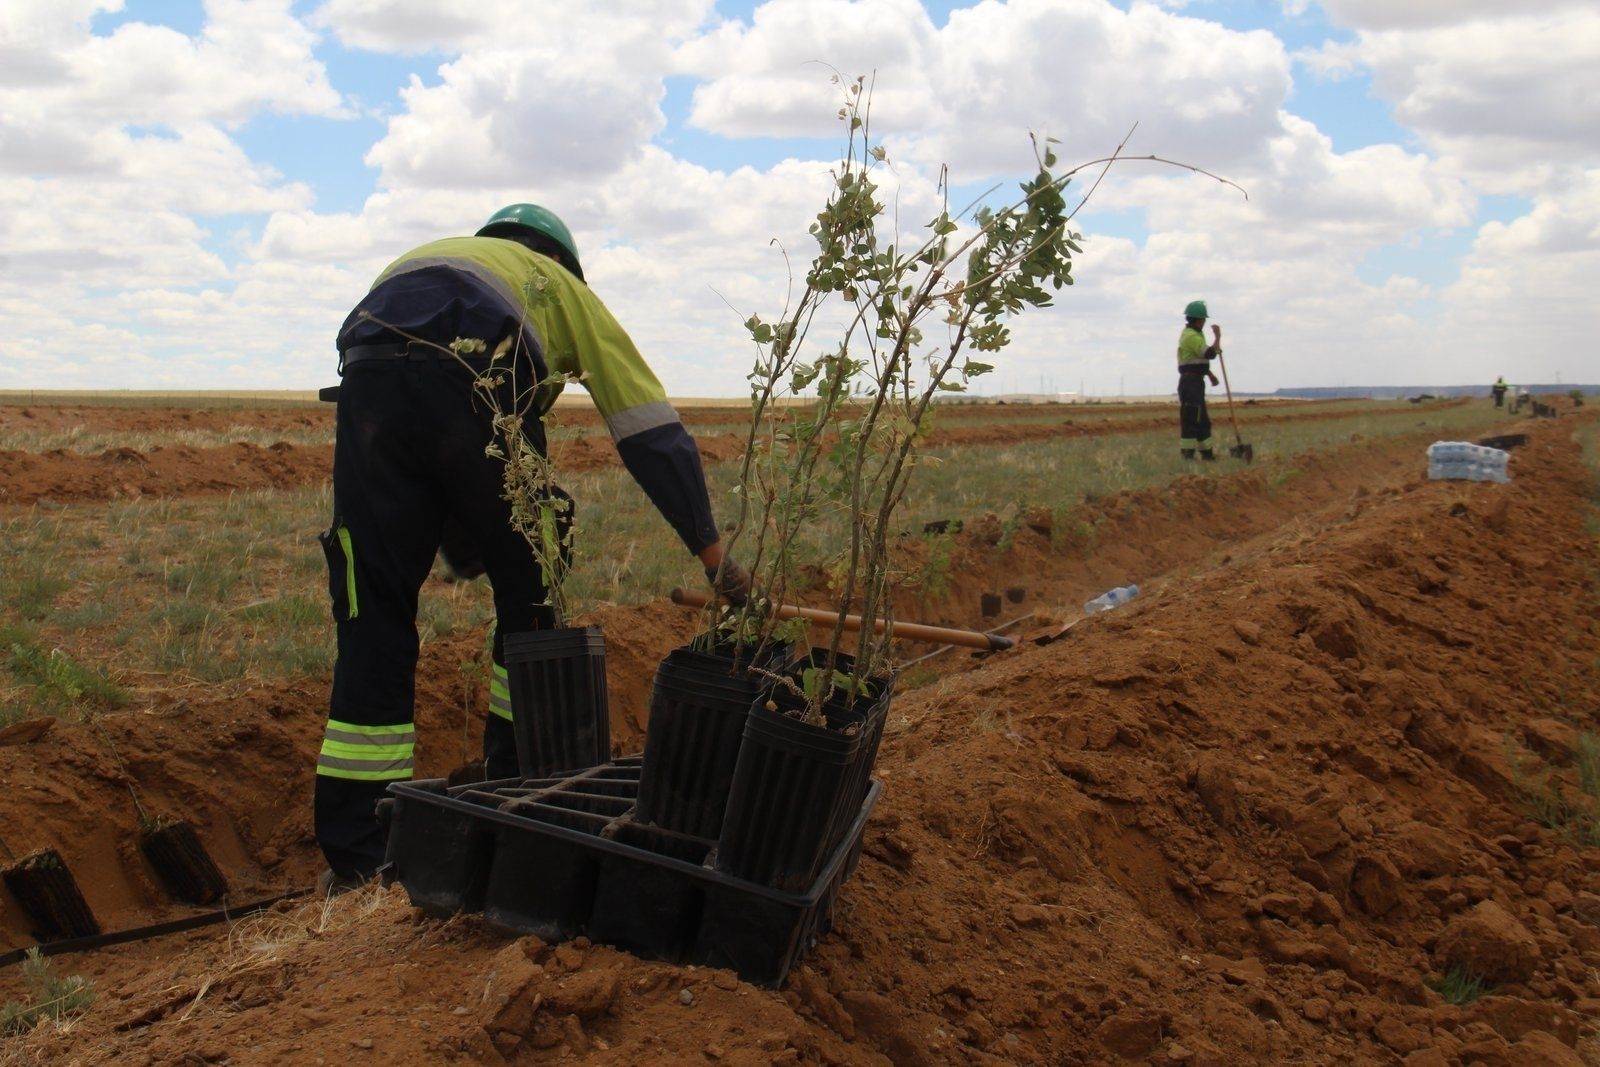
1420,397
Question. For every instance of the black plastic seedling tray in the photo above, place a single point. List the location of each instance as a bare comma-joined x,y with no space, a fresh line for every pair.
562,857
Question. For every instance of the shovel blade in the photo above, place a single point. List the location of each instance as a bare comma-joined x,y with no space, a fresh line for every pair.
1244,452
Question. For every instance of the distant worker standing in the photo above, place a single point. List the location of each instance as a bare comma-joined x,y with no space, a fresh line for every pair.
1499,391
409,464
1194,367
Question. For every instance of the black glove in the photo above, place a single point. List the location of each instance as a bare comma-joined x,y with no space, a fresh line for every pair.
733,582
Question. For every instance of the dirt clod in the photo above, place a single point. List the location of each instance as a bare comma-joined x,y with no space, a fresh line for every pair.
1488,941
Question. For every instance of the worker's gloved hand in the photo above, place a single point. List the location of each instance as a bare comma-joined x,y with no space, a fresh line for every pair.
1213,378
730,581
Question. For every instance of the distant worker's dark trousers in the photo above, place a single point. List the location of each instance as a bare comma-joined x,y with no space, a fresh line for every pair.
1194,421
409,453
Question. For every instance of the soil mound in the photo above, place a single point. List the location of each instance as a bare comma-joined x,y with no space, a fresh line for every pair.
62,475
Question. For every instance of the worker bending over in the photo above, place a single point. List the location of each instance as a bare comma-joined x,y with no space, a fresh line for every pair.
409,459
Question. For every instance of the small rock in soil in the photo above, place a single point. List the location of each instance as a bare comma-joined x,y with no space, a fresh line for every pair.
1490,942
1030,916
1400,1038
1428,1057
1130,1035
1542,1048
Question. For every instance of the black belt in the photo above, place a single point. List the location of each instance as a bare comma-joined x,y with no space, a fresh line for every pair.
412,350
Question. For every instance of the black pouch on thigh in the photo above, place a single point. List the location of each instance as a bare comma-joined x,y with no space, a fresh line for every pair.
341,555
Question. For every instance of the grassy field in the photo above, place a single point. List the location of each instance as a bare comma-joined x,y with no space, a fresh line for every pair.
106,600
85,439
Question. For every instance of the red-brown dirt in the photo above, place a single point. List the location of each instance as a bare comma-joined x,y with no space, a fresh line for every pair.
62,474
1243,819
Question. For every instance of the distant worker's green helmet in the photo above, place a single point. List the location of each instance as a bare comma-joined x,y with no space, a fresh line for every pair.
1195,310
517,220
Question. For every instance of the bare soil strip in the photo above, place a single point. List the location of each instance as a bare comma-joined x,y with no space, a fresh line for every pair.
1246,818
63,475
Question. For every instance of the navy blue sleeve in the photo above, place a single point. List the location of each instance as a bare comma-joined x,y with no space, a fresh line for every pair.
665,461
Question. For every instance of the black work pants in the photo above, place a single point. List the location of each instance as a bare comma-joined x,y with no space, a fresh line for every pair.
1194,421
409,452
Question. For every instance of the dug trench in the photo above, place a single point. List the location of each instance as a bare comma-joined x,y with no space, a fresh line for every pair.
1248,817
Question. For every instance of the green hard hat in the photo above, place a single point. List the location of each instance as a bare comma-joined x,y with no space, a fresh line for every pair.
1195,310
538,219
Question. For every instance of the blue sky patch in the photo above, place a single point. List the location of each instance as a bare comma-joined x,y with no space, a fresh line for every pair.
185,16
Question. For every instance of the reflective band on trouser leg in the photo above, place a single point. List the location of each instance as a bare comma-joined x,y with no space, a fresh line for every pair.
500,693
367,753
349,570
1186,442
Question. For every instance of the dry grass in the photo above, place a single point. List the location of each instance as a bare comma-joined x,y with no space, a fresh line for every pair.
207,590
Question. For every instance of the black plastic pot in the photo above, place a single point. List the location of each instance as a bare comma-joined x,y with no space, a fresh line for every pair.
794,786
698,706
559,712
50,896
186,868
866,715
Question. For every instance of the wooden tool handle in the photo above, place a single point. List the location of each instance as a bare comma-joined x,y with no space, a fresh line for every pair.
911,631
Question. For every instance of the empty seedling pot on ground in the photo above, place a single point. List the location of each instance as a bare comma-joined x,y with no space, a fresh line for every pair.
698,706
559,711
174,849
795,784
49,895
564,856
172,846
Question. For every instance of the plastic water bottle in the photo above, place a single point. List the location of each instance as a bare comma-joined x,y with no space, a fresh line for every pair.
1111,598
1459,460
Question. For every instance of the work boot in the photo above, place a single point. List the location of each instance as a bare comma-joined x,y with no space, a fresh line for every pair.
330,884
1187,453
1208,455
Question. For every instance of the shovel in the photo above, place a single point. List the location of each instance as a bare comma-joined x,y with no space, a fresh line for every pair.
911,631
1238,450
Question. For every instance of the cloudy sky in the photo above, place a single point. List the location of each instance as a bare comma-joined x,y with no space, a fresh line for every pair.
192,195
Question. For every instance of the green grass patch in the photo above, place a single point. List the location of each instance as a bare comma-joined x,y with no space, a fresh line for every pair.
33,595
1459,986
1552,802
49,997
49,681
1062,473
